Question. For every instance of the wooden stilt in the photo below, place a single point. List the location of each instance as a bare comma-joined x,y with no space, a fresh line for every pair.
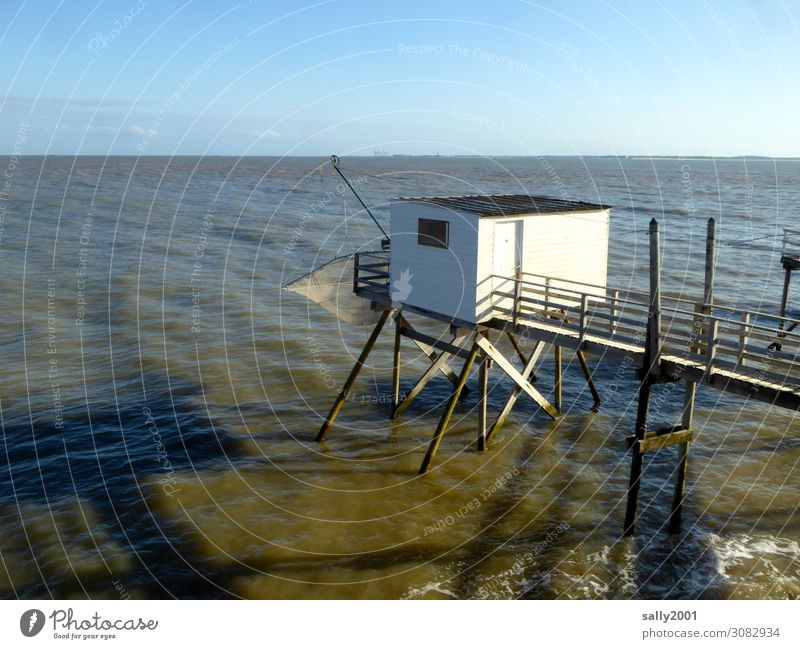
589,380
652,360
426,376
396,366
787,278
558,377
683,459
483,395
516,392
451,405
636,459
348,384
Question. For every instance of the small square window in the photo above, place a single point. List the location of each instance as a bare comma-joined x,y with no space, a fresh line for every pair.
433,233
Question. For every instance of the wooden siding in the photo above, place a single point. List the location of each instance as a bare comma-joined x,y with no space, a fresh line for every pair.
573,246
442,281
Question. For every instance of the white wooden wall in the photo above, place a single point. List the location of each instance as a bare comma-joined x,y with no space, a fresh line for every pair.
441,280
572,246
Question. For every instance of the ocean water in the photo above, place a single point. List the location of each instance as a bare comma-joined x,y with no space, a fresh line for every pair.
160,393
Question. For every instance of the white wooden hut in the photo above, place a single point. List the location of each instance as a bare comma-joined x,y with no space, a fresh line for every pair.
448,254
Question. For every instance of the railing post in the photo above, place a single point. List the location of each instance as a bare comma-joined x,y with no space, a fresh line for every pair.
546,294
711,348
517,295
612,312
744,338
582,321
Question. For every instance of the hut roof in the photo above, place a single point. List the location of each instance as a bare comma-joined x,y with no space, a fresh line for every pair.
505,204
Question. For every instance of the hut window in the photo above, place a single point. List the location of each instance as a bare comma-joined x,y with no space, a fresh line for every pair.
433,233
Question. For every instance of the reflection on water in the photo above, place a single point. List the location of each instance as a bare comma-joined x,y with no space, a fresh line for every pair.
160,394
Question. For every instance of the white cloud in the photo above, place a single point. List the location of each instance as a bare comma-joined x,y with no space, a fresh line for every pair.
269,134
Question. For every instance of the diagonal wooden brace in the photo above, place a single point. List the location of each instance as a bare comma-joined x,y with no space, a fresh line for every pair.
589,380
515,375
516,392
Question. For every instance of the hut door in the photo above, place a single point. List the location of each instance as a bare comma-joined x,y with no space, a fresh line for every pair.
507,260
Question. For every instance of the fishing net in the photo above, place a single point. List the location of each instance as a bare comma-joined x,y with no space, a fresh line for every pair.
331,286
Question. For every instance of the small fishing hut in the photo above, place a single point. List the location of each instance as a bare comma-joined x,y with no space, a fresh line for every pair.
450,255
504,268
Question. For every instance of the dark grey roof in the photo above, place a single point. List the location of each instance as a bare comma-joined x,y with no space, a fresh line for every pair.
504,204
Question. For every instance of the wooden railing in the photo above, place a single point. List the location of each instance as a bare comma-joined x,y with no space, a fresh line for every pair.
791,243
717,337
371,271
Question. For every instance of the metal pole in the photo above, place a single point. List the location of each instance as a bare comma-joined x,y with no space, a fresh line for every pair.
335,163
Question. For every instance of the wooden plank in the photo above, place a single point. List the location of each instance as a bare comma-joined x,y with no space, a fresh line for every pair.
348,384
655,442
744,386
505,365
431,341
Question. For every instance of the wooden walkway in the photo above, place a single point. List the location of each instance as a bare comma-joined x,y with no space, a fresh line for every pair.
661,338
744,352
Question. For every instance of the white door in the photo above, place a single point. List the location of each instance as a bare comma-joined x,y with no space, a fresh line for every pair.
507,260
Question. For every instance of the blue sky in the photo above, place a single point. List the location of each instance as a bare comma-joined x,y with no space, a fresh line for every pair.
509,77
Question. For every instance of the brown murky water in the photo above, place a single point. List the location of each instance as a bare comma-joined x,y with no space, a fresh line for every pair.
160,395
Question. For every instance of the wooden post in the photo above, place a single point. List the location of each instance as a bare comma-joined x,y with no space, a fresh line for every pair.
744,338
687,416
546,295
348,384
787,278
451,405
517,294
558,377
355,272
636,460
711,348
654,321
396,365
650,374
483,394
612,313
711,264
582,322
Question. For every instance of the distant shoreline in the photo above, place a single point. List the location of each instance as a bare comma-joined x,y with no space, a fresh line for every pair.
414,155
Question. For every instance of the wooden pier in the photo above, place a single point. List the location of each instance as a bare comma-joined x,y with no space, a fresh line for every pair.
662,337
